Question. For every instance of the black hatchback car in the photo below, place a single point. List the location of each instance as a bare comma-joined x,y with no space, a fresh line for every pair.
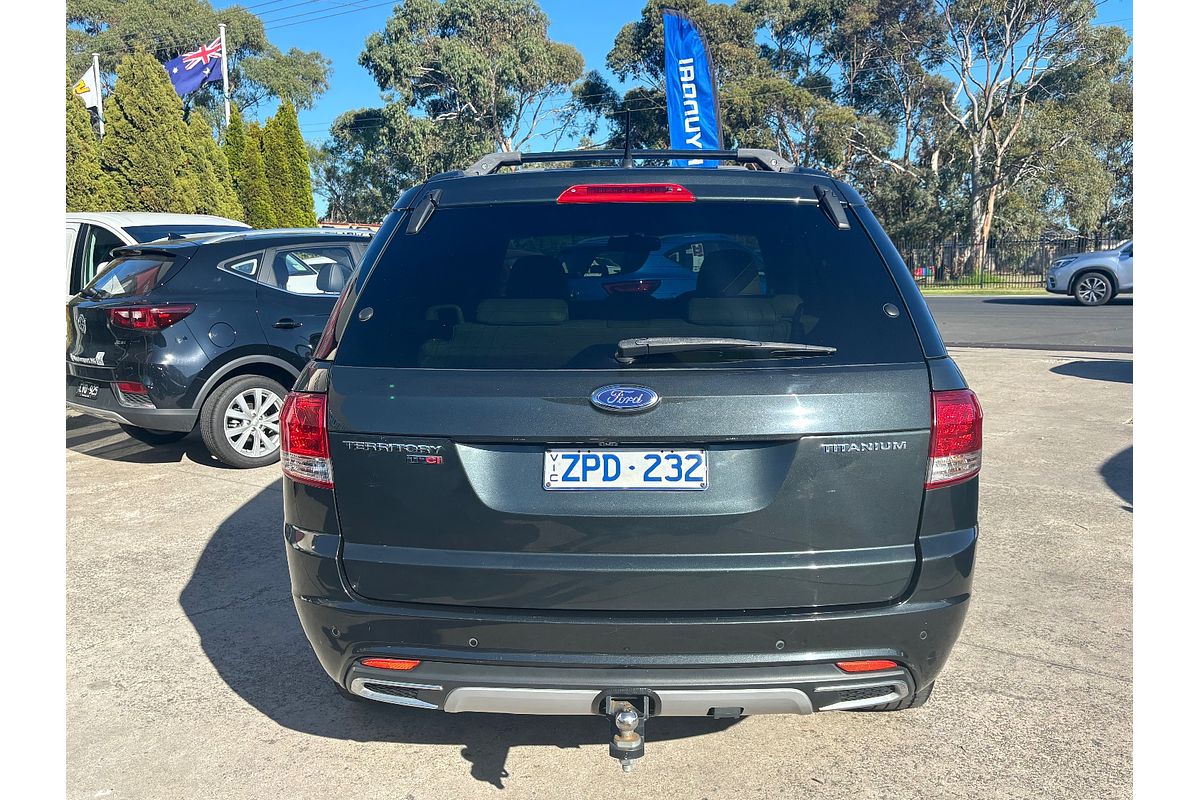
753,494
208,329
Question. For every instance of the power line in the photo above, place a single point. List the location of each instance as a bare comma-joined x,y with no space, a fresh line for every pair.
169,45
335,14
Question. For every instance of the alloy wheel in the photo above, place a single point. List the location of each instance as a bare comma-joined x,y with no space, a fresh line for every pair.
251,422
1093,290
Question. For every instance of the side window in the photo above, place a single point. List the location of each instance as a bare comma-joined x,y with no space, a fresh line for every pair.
1127,252
97,245
243,265
311,270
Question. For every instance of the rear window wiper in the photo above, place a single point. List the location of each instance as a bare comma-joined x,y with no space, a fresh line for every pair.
93,293
630,349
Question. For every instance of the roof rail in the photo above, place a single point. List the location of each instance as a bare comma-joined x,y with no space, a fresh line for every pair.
257,233
758,158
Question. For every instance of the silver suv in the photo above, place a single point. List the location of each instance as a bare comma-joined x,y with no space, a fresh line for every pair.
1093,278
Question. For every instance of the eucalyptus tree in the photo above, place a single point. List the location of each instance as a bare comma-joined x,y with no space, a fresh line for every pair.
485,65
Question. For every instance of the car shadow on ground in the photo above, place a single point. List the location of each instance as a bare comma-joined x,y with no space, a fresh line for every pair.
1115,370
1052,300
99,438
239,601
1118,474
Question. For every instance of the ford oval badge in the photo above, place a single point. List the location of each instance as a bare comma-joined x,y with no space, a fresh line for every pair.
624,398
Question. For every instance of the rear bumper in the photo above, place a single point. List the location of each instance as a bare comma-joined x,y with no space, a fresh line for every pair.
674,692
492,659
106,406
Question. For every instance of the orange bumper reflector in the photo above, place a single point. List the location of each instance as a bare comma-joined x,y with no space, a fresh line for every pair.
400,664
866,666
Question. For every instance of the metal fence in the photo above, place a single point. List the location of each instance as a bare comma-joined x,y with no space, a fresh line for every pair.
1009,263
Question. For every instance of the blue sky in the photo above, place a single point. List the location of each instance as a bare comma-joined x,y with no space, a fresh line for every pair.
589,26
338,28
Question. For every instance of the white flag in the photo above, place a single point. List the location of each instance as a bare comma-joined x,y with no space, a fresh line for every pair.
87,88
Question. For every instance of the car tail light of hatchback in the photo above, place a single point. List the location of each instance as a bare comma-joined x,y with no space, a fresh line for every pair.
626,193
149,318
956,439
632,287
304,440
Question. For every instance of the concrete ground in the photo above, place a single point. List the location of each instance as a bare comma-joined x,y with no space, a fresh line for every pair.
189,677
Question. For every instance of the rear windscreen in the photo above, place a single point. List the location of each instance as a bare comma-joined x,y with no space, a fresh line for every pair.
558,286
133,275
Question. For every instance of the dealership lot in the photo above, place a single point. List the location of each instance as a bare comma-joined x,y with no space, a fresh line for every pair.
188,674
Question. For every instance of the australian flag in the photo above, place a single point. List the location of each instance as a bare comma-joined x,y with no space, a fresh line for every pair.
190,71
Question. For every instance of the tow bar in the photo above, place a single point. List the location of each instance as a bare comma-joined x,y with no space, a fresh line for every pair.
628,716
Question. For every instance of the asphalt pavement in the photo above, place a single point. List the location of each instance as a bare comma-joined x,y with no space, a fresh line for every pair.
1038,322
189,676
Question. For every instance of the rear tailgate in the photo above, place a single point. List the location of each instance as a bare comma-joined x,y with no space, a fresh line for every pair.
816,488
91,341
466,358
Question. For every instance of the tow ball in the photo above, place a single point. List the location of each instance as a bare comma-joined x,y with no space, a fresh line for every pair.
628,716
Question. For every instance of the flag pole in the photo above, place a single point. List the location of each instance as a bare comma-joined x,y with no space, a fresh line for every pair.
99,92
225,71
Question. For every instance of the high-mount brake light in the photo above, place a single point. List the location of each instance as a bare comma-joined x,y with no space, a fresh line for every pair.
627,193
866,665
149,318
304,440
956,439
399,664
632,287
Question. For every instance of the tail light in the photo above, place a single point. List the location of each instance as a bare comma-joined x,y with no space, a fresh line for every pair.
866,665
956,440
304,440
627,193
148,318
632,287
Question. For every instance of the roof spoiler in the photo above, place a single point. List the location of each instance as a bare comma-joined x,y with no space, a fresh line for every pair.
751,157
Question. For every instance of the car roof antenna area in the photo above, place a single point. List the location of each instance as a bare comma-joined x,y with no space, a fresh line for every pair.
627,161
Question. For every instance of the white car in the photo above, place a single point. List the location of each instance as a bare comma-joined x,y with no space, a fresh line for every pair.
1093,278
92,235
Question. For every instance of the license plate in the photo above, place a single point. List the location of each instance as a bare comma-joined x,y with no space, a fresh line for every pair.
87,390
647,470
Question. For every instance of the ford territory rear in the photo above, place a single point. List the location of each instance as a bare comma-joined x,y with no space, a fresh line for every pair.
743,481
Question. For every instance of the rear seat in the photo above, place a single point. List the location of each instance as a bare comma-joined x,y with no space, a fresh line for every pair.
538,333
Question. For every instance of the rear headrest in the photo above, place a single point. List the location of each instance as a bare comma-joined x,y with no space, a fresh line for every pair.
497,311
725,273
732,311
536,277
332,277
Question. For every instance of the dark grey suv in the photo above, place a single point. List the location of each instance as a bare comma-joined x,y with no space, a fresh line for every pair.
756,495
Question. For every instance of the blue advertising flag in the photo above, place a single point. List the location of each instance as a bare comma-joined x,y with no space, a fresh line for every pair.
190,71
693,115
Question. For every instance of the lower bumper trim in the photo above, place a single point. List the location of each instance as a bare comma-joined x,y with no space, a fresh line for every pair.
157,419
394,692
481,688
581,702
102,413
